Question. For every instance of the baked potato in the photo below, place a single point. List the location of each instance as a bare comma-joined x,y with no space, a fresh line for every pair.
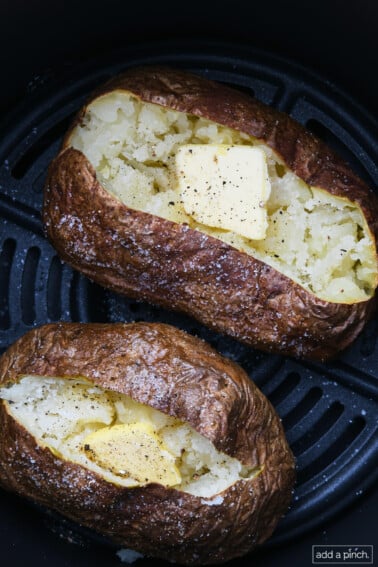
146,435
136,200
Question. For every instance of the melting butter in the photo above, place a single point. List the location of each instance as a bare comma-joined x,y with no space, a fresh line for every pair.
225,186
133,450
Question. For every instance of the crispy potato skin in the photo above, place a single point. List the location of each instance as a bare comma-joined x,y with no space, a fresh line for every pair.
153,259
180,375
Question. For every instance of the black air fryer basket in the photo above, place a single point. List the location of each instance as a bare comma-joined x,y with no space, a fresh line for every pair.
328,410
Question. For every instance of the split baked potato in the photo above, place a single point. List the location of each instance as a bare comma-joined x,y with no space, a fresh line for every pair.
146,435
137,201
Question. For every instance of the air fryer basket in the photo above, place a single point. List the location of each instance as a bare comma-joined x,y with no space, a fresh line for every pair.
328,411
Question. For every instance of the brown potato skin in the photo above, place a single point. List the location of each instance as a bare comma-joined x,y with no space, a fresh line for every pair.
146,257
184,377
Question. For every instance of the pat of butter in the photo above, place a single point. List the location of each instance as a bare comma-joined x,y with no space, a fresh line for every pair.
133,450
225,187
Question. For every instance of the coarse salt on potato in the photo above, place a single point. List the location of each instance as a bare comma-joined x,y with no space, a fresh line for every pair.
116,208
146,435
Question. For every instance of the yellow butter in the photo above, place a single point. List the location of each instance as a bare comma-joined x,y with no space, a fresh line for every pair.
226,187
133,450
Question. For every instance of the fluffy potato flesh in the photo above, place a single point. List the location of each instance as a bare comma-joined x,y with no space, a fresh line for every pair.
124,441
320,241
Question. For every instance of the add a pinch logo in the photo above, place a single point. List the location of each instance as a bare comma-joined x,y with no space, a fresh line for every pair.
342,554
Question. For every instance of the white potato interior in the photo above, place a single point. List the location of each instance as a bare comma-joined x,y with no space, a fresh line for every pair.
320,241
60,413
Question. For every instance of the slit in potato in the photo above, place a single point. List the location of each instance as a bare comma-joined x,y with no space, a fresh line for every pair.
111,434
320,241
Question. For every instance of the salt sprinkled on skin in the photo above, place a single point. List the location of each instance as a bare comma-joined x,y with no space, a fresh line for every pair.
128,555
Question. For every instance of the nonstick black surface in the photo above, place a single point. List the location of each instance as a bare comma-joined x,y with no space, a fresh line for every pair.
329,411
